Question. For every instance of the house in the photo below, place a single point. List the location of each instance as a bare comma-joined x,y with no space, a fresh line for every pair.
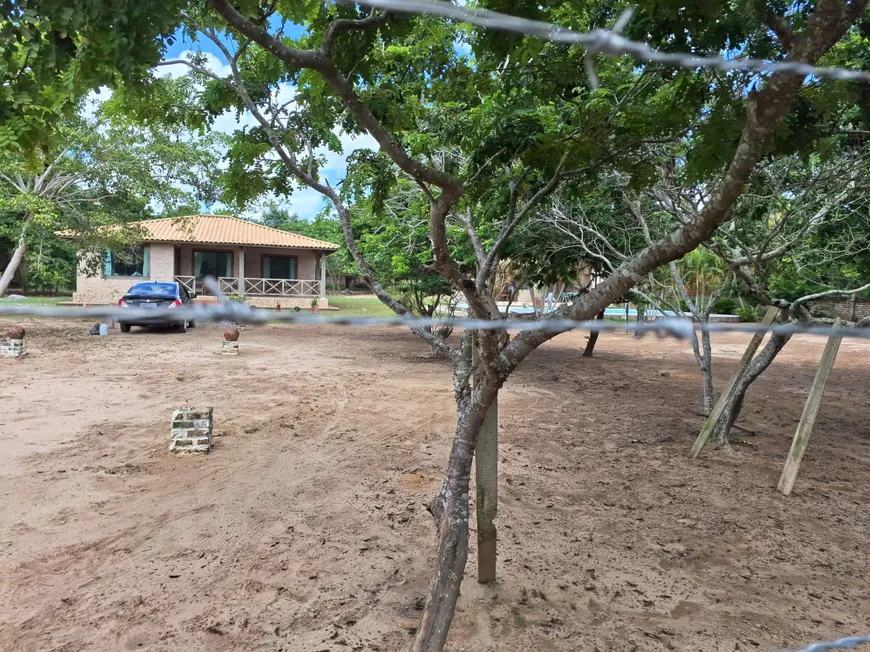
263,265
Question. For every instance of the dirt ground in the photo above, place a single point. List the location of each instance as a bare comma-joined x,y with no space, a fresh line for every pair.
305,529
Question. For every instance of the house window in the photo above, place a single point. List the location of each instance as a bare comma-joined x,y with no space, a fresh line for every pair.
131,261
283,267
218,264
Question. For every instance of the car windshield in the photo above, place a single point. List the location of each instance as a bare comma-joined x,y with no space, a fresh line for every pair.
153,289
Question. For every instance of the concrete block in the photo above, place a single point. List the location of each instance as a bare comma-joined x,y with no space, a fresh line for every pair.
230,348
191,430
13,348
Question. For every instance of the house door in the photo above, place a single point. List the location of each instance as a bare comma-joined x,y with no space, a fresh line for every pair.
212,263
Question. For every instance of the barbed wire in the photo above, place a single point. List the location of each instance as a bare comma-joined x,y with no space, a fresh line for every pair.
604,41
849,642
241,313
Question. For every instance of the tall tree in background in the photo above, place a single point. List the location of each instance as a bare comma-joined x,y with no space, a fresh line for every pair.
100,171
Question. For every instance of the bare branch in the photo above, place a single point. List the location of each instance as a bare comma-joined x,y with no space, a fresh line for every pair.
830,293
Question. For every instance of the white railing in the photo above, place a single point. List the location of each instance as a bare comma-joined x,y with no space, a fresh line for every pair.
268,287
228,285
189,283
277,287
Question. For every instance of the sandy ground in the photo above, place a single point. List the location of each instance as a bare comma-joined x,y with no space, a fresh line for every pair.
305,529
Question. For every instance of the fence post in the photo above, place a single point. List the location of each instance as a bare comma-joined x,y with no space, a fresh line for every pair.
486,488
710,423
808,417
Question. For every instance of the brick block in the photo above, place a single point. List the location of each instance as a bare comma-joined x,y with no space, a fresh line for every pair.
191,430
230,348
13,348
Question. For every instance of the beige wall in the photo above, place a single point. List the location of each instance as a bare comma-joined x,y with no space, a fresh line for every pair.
100,289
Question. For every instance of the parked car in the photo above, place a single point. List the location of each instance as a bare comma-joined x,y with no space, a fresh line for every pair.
152,294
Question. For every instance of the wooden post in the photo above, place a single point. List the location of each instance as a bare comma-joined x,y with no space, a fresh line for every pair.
808,418
242,288
486,474
710,423
322,275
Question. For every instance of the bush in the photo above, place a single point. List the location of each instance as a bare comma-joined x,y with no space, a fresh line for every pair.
726,306
749,313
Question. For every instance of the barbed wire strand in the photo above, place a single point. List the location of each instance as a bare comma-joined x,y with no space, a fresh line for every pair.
241,313
604,41
850,642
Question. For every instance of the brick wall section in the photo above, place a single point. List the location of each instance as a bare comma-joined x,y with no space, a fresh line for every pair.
101,289
13,348
846,308
191,430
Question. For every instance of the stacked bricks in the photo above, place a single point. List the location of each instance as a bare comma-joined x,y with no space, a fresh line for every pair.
230,348
13,346
191,430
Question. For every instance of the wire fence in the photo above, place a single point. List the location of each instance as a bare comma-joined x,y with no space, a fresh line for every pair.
241,313
847,643
605,41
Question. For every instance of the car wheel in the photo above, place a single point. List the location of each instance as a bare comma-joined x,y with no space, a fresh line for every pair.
125,328
182,327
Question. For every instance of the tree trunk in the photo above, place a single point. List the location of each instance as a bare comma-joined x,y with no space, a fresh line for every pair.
593,338
14,262
706,363
450,509
758,365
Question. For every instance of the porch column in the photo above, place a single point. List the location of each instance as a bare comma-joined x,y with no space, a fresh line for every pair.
242,272
323,275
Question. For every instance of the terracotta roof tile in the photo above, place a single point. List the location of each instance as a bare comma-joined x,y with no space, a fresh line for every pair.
224,229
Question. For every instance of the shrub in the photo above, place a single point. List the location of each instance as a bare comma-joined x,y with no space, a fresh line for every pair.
751,313
726,306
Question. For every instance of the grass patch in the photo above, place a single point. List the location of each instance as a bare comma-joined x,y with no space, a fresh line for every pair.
36,301
350,306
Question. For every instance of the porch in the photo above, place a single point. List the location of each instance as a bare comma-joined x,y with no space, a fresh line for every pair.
250,272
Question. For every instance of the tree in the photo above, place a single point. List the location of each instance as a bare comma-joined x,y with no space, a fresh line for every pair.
801,234
103,170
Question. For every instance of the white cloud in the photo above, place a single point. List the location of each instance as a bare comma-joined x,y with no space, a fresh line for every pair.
211,63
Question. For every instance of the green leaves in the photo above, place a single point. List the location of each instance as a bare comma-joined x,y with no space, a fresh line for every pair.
53,52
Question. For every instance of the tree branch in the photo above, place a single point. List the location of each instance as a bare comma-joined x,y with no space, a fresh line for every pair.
829,293
344,25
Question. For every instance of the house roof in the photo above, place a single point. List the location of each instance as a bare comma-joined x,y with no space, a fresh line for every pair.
223,229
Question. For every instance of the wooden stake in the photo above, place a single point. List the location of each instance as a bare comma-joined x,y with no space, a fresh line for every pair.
710,423
486,474
808,418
